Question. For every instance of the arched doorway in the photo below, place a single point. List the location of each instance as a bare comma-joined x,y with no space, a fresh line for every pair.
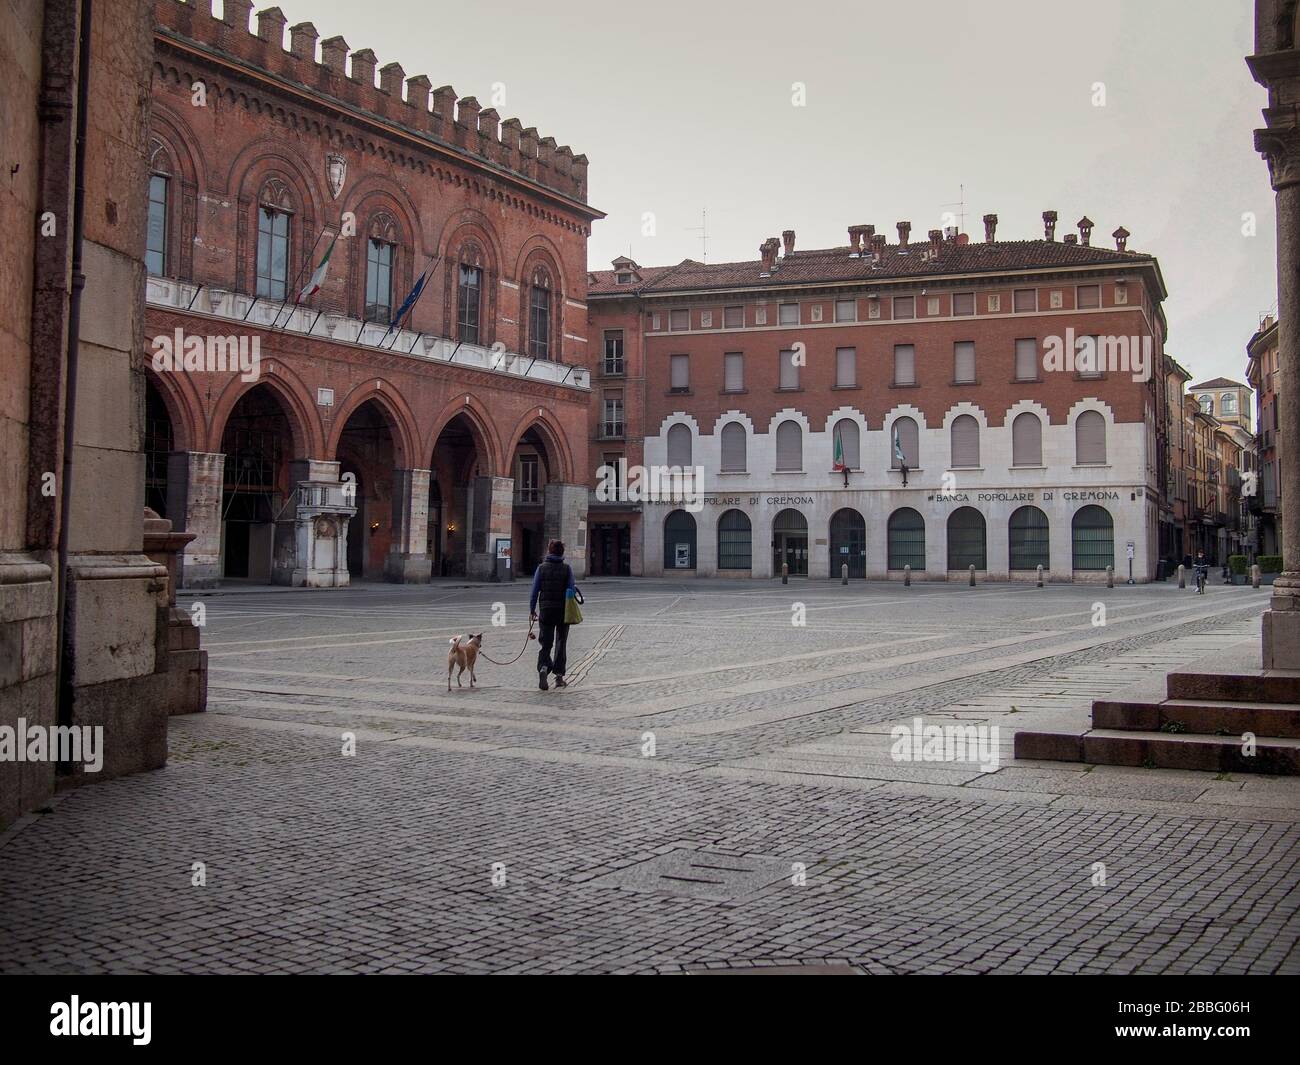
1093,538
679,541
458,458
366,455
790,543
735,542
906,539
848,542
258,444
159,439
1028,539
967,539
533,467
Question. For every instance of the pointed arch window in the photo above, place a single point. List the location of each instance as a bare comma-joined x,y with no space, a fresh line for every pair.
155,255
539,314
274,214
469,294
381,256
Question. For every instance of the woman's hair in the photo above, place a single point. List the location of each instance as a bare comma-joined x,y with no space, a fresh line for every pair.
555,547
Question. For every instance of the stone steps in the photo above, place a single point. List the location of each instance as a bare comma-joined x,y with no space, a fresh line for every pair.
1187,716
1256,687
1279,756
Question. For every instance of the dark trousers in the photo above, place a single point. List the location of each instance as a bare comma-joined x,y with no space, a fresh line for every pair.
555,633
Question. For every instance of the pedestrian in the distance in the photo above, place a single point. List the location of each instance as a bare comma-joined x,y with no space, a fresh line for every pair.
551,585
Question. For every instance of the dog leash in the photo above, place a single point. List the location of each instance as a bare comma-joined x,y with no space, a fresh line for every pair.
517,657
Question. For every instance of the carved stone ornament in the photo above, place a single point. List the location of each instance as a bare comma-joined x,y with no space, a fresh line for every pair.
336,172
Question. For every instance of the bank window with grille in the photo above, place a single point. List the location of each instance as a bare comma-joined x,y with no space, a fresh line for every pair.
906,539
613,352
272,253
379,281
469,301
1027,536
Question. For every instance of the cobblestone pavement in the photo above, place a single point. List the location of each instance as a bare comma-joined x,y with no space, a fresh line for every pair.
714,789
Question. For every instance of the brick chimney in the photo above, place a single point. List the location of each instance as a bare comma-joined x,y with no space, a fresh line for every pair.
904,231
855,240
767,250
1049,225
878,242
1070,238
936,240
787,239
990,228
334,54
270,26
302,40
1121,236
1085,231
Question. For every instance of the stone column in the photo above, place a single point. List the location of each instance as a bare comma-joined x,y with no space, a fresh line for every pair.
1280,145
408,559
194,486
491,517
565,518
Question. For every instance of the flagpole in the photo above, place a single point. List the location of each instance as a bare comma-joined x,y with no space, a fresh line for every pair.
429,264
316,243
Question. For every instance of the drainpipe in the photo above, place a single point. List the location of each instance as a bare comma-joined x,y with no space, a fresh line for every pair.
65,636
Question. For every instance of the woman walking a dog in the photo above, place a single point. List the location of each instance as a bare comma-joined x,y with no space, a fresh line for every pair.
553,584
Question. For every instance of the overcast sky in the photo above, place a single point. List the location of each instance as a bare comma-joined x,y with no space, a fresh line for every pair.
684,107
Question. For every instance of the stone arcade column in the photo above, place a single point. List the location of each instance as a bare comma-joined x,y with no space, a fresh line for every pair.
194,486
408,559
565,518
1279,72
491,518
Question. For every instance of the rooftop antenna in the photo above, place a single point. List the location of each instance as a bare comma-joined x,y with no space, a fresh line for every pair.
703,230
961,214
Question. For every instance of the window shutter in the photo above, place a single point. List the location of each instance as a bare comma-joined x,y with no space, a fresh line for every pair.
904,364
965,441
1026,441
789,371
1090,438
1026,360
846,367
789,446
733,448
681,371
847,431
679,446
733,372
963,362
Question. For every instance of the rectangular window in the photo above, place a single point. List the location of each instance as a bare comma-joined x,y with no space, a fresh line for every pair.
733,379
680,373
1027,360
379,281
1088,297
1088,357
155,256
679,320
1026,299
539,323
846,310
733,318
904,364
789,371
963,362
468,301
527,489
612,421
272,253
613,366
904,306
788,314
846,367
963,303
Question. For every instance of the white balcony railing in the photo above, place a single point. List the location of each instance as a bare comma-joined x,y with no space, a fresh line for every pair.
306,321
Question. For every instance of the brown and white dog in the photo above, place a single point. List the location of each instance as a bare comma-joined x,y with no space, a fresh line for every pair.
463,654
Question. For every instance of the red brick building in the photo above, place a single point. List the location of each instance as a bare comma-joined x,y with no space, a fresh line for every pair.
1262,371
355,449
771,375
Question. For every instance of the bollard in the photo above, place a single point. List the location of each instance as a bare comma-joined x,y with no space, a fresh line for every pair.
907,576
1182,577
1040,575
844,573
1254,576
785,573
1110,576
972,576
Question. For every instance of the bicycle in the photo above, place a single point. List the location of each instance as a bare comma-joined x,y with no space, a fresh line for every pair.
1201,577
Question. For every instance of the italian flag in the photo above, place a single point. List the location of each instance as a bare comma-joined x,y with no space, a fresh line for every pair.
839,454
318,275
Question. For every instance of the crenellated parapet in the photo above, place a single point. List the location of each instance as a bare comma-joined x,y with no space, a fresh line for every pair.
349,77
